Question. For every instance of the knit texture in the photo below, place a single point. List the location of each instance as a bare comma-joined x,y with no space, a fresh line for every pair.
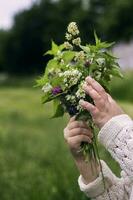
117,137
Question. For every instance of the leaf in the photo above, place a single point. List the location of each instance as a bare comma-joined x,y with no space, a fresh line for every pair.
46,98
115,71
51,64
41,81
58,109
85,48
68,56
55,48
96,38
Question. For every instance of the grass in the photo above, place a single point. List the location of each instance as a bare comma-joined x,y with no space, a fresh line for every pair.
35,163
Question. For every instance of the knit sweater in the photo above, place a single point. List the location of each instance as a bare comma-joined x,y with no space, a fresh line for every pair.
117,137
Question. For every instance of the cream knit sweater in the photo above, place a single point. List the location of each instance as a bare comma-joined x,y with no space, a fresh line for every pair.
117,137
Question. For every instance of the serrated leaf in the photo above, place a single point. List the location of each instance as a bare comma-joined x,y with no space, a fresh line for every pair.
58,109
115,71
85,48
68,56
54,49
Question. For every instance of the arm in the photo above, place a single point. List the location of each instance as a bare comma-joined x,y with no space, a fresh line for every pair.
91,184
117,137
116,128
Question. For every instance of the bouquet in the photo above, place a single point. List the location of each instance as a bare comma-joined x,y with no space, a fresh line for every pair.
65,75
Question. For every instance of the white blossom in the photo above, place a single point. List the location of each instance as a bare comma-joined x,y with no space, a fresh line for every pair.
79,56
73,28
77,41
71,76
68,36
71,98
68,46
47,88
80,92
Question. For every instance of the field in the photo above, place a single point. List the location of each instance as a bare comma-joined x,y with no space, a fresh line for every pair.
35,163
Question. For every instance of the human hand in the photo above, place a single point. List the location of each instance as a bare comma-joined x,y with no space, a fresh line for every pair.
104,107
75,133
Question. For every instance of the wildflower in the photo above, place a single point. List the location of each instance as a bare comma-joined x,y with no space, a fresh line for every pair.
68,46
47,88
77,41
68,36
71,98
80,56
56,90
73,29
71,77
80,92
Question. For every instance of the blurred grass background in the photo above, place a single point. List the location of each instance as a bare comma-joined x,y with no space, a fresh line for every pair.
35,162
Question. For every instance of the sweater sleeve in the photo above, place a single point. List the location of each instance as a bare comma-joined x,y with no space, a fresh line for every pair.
117,137
115,187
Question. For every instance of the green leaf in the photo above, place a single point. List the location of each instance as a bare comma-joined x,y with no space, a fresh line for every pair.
55,48
115,71
85,48
58,109
68,56
41,81
96,38
46,98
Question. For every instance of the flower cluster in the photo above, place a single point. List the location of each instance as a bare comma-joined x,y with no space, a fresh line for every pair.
73,29
70,77
72,36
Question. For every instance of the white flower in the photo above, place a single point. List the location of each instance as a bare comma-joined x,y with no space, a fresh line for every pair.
73,28
68,46
79,56
71,98
71,76
68,36
77,41
80,92
47,88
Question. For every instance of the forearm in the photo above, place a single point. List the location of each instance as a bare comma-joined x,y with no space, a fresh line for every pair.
89,170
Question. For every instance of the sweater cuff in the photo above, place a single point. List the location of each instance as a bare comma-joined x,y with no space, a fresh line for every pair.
96,188
112,128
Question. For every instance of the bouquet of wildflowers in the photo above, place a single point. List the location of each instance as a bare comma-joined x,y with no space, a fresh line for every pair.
65,75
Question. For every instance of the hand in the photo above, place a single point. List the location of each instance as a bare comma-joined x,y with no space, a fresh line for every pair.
75,133
105,107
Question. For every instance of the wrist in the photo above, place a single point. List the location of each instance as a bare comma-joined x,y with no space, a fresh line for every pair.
89,170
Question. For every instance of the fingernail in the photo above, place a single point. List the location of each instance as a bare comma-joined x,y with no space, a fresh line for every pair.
89,78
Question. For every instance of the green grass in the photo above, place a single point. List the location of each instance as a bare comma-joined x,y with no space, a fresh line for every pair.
35,163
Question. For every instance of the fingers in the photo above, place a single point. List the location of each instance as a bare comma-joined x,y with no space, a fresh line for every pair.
88,106
99,100
80,131
76,124
96,86
76,140
93,93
